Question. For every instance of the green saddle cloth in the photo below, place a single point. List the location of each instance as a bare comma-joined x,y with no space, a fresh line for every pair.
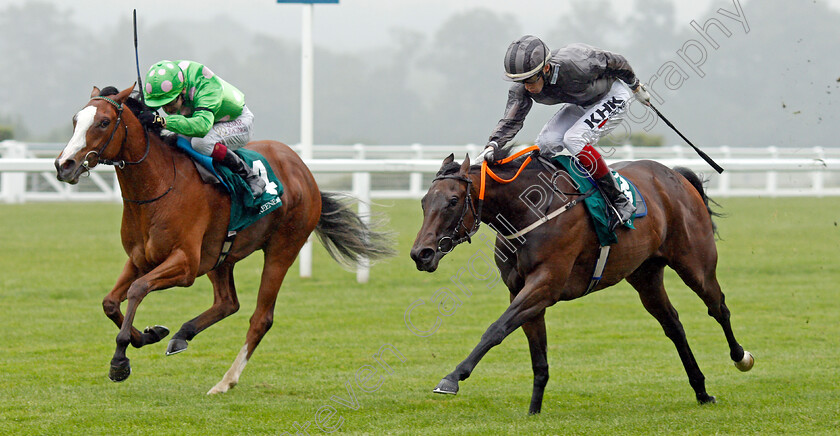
244,209
595,204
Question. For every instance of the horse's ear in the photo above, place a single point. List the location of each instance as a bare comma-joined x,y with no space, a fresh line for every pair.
449,159
120,98
95,92
465,167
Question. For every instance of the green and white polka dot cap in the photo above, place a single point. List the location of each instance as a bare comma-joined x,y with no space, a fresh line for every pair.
164,82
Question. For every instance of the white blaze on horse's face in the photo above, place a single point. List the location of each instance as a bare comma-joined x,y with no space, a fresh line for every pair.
84,120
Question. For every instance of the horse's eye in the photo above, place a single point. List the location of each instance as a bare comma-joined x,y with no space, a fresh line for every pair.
104,123
453,201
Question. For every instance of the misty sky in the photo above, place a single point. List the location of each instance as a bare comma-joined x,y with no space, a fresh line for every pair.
773,82
352,24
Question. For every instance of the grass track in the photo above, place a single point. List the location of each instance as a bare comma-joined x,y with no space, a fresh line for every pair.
612,369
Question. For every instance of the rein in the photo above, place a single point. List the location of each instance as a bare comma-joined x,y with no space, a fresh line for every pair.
448,243
485,170
122,163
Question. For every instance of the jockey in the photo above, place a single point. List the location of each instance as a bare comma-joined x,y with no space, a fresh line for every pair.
589,81
204,108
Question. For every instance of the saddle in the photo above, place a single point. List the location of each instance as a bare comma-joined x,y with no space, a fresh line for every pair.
596,205
244,209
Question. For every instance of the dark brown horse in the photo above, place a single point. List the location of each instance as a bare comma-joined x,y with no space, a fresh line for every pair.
174,225
555,261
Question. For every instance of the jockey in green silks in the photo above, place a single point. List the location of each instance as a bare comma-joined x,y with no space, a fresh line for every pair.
201,106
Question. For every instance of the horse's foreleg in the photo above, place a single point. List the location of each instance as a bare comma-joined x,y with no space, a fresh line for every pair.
526,306
174,271
277,263
225,303
535,332
648,281
111,307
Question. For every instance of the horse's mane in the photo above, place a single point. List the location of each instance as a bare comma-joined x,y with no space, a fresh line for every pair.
136,106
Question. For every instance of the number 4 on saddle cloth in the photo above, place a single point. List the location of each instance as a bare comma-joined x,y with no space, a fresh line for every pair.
244,209
596,205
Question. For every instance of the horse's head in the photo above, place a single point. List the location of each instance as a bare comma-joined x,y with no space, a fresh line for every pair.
449,214
99,130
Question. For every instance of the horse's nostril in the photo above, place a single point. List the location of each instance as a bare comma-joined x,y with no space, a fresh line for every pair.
68,164
426,255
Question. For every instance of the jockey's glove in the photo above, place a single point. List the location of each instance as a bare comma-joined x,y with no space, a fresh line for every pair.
489,153
641,92
151,119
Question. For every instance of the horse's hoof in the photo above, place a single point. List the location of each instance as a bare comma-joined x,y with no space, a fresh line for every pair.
154,334
119,372
746,363
176,346
220,388
446,387
705,398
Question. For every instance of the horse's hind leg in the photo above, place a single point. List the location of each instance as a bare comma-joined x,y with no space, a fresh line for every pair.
278,259
648,281
225,303
698,272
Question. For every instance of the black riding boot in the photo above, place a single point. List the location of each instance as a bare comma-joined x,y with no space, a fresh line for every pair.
238,166
624,207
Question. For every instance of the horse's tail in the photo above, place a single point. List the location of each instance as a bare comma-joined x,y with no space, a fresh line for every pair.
698,184
348,239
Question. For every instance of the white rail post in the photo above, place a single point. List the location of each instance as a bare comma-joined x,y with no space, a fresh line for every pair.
416,179
817,177
773,176
725,181
307,113
13,183
361,190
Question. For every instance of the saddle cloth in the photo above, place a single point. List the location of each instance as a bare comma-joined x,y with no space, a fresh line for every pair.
596,205
244,209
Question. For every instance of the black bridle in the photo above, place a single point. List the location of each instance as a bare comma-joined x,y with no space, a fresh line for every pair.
453,239
117,163
122,163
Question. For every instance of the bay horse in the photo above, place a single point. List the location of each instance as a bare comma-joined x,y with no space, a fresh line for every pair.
555,261
174,225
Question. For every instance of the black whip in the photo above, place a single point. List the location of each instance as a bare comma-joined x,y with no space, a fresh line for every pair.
137,60
705,157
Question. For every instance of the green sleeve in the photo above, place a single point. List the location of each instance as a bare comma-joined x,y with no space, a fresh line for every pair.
197,126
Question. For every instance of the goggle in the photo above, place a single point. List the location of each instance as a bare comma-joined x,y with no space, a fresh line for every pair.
531,80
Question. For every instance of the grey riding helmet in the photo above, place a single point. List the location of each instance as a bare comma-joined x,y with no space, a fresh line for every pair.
525,58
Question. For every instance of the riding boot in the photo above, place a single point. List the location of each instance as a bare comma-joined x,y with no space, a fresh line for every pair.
613,194
238,166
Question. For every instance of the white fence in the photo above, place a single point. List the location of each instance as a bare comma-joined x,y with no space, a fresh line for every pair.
27,173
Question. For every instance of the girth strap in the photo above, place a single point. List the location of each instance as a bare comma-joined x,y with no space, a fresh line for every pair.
231,235
603,254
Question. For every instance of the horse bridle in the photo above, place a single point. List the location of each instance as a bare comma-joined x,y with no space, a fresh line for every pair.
121,163
118,163
453,238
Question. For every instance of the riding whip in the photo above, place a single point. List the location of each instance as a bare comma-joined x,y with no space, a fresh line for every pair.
705,157
137,60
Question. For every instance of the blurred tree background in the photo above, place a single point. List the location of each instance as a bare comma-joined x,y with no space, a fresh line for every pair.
773,85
